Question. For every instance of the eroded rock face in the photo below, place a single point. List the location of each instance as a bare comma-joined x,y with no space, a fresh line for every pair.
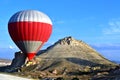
68,41
19,60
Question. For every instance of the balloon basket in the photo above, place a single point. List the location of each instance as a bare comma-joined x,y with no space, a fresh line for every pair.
31,62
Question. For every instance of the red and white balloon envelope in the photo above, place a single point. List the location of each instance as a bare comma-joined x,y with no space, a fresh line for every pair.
30,29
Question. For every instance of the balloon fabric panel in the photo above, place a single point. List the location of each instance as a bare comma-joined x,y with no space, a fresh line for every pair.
34,31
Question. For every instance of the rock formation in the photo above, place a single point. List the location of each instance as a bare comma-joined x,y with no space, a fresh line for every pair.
70,55
69,47
19,60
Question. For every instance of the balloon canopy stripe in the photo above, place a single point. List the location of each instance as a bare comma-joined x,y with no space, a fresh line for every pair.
30,15
33,31
29,46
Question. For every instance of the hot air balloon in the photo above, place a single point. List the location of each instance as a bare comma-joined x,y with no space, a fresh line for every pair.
30,29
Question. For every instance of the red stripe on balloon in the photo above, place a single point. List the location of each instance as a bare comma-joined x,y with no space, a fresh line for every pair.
30,55
33,31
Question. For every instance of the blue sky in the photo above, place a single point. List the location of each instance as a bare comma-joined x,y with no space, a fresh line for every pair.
96,22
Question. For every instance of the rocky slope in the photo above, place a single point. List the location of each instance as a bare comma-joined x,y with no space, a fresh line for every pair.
71,48
67,56
71,55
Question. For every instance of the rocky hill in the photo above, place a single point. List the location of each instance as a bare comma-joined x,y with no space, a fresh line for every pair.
73,49
70,55
67,56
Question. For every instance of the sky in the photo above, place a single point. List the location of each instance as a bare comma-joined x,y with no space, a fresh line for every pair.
96,22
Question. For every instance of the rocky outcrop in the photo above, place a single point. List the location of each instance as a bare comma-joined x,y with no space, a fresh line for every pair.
19,59
69,41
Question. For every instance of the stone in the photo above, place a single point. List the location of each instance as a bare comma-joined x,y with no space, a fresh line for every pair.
19,60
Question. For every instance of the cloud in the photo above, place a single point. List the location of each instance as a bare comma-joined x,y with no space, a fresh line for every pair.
56,21
113,28
11,47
